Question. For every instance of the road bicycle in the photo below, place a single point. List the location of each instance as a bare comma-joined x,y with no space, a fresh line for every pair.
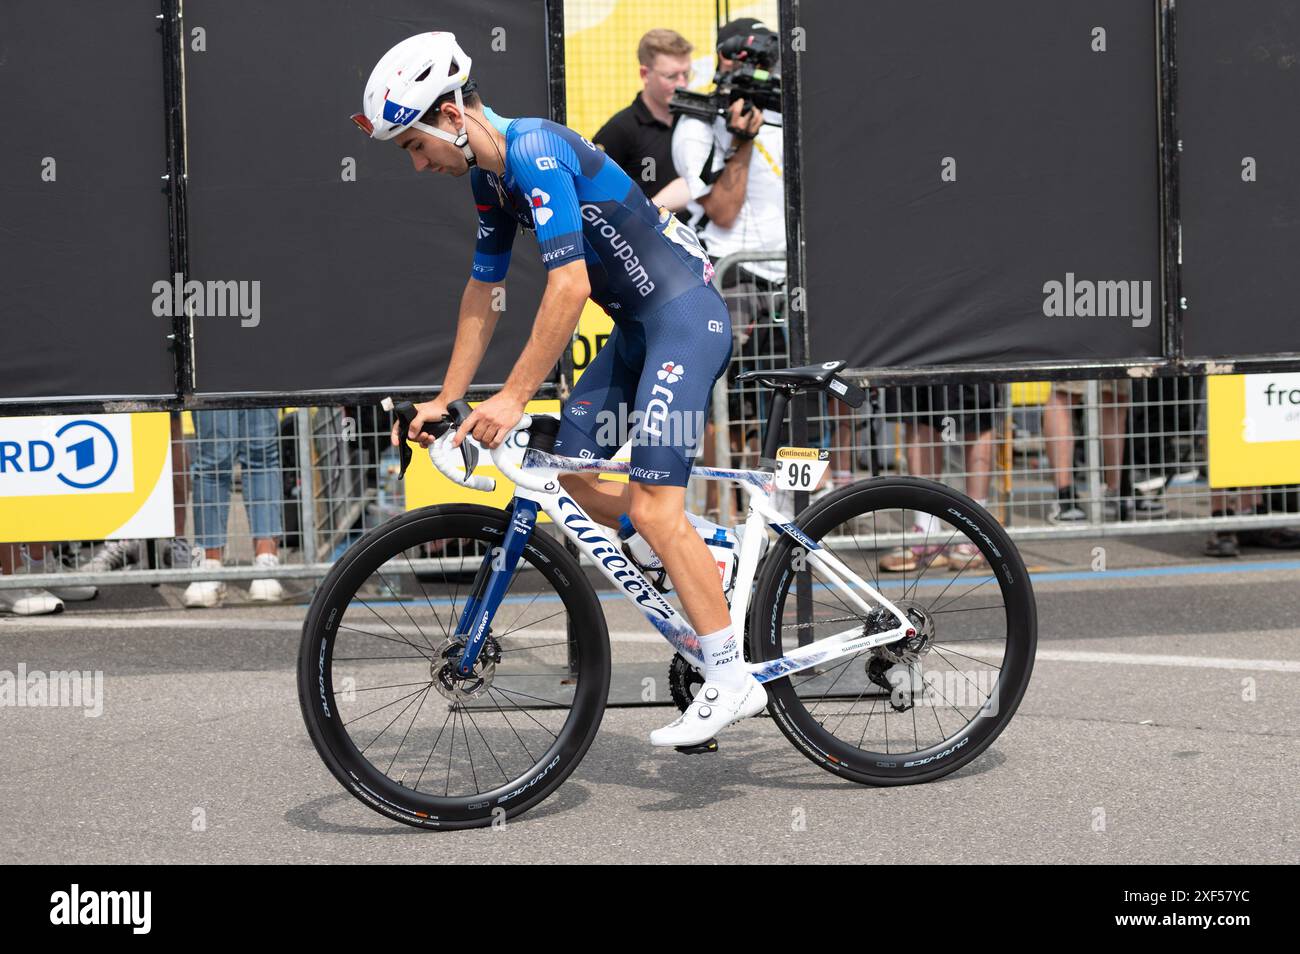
455,662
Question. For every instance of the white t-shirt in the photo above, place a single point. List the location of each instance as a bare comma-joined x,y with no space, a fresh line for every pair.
761,221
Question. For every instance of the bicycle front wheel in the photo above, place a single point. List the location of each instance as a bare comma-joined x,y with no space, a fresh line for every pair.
389,715
919,708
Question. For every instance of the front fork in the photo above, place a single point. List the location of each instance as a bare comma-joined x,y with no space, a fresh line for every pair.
490,583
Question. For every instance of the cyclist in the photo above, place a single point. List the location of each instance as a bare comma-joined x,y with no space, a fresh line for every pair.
600,238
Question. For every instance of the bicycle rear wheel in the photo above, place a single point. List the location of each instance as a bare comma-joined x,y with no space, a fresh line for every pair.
382,703
916,709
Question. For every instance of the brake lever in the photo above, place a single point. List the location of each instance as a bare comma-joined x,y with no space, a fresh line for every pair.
458,412
405,412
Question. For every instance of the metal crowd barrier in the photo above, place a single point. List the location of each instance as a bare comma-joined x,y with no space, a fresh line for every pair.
316,478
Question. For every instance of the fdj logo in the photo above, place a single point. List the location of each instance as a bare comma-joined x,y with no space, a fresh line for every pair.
84,455
398,114
656,411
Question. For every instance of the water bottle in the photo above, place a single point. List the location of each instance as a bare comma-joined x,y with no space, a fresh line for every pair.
640,552
722,544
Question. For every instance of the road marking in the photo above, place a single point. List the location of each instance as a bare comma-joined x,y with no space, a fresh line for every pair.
190,621
1144,659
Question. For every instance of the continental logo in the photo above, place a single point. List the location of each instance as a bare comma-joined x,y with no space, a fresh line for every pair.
802,453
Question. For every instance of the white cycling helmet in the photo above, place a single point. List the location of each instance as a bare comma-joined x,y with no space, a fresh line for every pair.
406,81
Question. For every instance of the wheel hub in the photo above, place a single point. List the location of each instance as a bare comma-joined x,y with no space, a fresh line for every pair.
455,687
911,648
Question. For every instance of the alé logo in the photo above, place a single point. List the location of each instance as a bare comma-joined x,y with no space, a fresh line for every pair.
44,456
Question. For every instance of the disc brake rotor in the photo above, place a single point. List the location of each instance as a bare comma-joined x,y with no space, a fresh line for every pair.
455,687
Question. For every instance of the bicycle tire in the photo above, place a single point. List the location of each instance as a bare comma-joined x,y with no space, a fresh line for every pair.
791,714
315,670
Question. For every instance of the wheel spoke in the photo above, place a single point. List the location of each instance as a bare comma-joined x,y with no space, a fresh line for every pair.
402,604
835,712
392,720
415,576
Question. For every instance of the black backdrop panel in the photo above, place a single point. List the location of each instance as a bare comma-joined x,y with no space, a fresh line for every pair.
360,282
1239,92
81,83
1056,163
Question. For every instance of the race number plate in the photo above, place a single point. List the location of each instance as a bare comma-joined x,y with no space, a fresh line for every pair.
801,468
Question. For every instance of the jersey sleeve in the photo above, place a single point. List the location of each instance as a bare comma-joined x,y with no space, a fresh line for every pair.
545,167
496,232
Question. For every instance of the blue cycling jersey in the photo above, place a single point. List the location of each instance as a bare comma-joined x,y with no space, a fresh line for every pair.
583,207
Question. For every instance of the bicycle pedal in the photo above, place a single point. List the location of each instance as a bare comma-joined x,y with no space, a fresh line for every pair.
699,748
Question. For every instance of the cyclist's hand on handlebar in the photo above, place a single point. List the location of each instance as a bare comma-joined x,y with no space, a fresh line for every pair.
428,411
491,421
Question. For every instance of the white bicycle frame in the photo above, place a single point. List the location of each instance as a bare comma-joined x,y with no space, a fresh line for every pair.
537,480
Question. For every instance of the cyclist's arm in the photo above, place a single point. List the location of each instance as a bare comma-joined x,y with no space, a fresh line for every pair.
567,290
474,328
477,318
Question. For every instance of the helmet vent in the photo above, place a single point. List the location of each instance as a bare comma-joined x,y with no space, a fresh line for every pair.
423,75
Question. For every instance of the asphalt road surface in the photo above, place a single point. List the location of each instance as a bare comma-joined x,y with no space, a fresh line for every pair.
1162,725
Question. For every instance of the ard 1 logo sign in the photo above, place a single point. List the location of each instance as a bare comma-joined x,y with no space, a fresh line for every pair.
85,477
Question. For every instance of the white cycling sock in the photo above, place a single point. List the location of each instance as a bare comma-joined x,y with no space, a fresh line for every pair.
723,660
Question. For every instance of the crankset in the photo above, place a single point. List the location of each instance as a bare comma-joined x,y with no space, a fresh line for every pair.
684,681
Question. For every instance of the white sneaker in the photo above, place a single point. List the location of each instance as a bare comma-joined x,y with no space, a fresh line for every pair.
268,590
30,602
206,593
716,706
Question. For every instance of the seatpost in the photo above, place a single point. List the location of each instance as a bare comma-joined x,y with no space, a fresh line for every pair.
775,425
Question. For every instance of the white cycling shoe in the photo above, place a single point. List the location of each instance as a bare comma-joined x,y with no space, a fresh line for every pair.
715,707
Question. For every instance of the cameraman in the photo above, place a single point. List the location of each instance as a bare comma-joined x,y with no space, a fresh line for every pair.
737,180
742,192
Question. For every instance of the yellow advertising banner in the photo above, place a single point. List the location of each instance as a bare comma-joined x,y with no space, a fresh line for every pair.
85,477
1254,429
